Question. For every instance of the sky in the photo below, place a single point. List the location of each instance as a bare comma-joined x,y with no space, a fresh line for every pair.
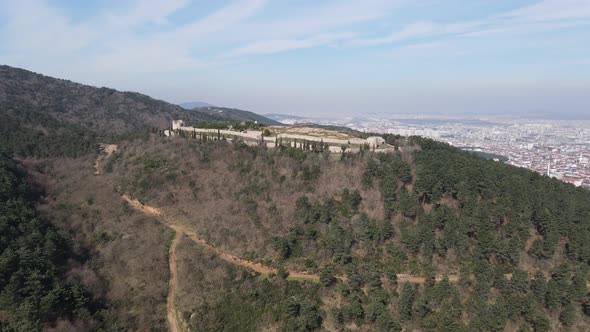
317,57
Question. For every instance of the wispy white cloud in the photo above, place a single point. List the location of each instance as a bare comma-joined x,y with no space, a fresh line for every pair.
549,10
282,45
326,17
112,41
172,50
143,12
542,16
225,18
40,27
316,26
319,19
525,28
115,43
419,30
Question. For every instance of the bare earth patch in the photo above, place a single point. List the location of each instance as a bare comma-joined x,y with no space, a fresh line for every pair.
107,149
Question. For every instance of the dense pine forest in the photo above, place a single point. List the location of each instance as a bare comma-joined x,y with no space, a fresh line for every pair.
493,247
497,247
35,258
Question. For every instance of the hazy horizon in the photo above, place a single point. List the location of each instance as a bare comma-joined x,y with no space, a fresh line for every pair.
450,58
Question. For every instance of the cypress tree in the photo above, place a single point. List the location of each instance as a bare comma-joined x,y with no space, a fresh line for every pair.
568,315
539,287
406,301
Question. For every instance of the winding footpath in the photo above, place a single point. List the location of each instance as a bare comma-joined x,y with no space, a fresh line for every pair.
300,275
173,325
106,148
223,255
181,230
171,314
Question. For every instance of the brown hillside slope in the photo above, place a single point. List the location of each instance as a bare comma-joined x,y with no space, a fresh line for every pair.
25,95
127,262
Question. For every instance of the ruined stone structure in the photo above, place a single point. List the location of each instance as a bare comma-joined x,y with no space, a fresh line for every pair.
177,124
351,145
375,141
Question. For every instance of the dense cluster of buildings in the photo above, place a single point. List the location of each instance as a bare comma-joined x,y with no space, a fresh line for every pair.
559,149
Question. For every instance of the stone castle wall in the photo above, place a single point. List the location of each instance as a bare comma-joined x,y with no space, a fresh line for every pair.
295,140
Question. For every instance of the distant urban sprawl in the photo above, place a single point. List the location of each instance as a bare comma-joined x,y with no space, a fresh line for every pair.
559,149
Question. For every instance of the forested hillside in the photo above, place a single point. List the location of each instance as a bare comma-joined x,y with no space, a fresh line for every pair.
234,114
37,286
44,116
427,238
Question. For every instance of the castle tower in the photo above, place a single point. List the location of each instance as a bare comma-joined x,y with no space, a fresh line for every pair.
177,124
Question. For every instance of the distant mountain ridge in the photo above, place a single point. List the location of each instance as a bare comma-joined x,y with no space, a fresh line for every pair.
192,104
103,110
281,117
235,114
43,116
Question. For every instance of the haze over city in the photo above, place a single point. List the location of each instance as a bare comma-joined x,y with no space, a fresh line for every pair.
329,58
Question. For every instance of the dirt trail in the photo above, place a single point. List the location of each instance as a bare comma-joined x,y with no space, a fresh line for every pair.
103,148
249,264
402,277
229,257
142,207
180,229
173,325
